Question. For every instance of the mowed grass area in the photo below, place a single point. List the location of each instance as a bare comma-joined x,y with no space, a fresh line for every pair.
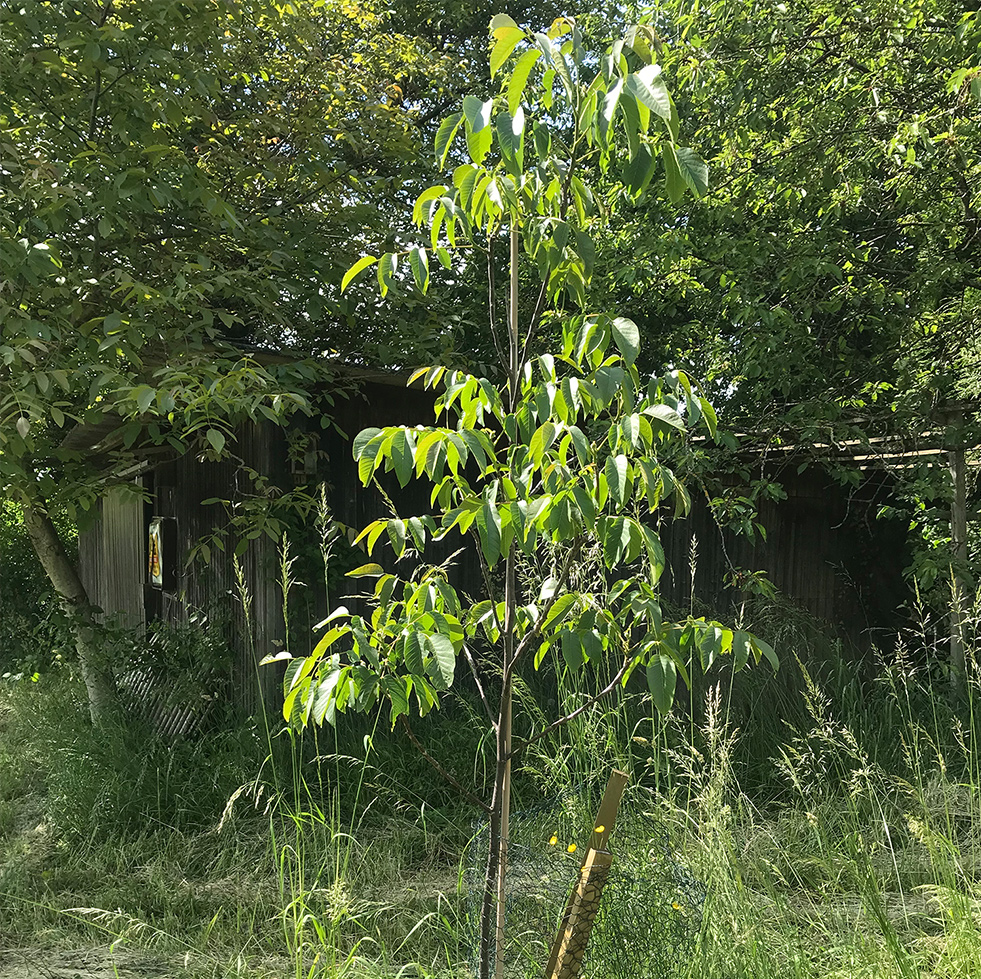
834,818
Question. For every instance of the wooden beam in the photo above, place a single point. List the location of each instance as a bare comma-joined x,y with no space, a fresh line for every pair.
958,545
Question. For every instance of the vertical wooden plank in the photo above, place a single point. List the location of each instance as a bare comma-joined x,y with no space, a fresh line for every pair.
958,544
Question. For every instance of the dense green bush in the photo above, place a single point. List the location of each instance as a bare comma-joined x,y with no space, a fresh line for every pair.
34,631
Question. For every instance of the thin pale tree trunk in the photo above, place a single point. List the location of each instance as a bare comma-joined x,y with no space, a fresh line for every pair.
958,535
493,905
63,575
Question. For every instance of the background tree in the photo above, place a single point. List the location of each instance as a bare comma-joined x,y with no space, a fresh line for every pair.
175,179
826,285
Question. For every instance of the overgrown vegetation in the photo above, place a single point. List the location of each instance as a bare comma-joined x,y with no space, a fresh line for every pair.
848,846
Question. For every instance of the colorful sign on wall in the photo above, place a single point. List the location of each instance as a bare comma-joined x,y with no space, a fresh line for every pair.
161,569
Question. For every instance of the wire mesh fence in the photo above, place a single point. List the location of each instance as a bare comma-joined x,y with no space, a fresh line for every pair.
647,920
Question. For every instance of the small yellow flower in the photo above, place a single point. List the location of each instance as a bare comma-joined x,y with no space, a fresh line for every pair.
571,848
600,829
676,906
553,841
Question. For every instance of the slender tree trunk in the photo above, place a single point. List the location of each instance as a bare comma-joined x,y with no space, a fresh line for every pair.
64,577
493,905
958,540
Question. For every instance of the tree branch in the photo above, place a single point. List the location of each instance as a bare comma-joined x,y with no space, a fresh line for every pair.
466,793
533,323
595,699
480,686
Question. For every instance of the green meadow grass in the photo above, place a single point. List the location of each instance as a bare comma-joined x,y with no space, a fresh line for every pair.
832,812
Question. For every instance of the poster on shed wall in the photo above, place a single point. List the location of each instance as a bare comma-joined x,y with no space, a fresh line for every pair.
155,568
162,558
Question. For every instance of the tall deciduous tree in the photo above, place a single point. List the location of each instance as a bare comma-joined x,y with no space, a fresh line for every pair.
174,177
826,286
572,455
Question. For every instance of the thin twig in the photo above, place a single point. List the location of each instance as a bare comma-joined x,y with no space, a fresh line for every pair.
533,322
466,793
492,303
596,698
480,686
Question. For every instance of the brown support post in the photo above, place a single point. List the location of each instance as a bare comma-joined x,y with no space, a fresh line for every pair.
569,947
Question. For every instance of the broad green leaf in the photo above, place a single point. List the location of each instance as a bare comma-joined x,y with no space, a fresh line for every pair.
542,441
615,533
419,263
571,649
565,75
767,651
362,439
631,124
647,87
499,21
359,266
708,413
402,456
445,655
742,649
394,688
626,336
662,679
607,112
665,416
638,171
387,266
674,183
323,695
216,439
489,529
586,506
477,112
519,78
413,652
564,604
366,571
479,144
429,194
694,170
609,381
506,38
444,136
510,138
396,534
616,468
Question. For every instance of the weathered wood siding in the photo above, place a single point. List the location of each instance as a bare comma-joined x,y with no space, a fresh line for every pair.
114,551
111,557
825,550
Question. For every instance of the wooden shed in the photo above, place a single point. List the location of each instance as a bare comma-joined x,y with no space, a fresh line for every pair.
185,506
824,548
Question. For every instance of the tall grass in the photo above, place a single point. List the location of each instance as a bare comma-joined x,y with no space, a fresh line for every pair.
832,812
